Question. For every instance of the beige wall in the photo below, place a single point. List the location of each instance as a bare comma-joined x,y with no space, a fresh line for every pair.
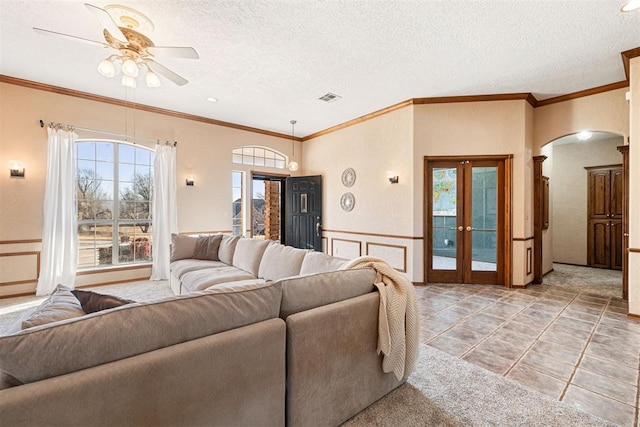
387,220
204,151
381,222
568,179
392,215
480,128
605,112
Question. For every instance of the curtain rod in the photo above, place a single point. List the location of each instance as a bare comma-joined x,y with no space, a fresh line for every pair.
57,124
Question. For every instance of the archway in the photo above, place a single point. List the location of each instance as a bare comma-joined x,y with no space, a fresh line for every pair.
565,243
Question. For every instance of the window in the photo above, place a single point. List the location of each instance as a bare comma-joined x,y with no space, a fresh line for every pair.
114,187
238,213
259,156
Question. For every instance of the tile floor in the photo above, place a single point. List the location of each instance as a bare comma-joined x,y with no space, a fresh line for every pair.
577,347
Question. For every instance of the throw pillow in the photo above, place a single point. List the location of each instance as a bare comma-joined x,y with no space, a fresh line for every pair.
60,305
207,247
92,301
182,247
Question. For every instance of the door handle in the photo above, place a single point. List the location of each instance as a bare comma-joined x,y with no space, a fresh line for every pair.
469,228
318,228
460,228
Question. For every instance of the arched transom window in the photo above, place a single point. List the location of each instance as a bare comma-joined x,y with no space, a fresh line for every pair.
259,156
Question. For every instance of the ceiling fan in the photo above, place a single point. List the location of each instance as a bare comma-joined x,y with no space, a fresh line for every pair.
124,30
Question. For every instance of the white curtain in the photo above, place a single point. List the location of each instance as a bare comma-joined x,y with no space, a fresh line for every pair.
60,234
165,216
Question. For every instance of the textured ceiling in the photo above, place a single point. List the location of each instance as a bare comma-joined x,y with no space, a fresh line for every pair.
269,61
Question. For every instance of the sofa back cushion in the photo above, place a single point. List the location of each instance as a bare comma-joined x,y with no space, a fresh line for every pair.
71,345
318,262
207,247
307,292
280,261
248,254
227,248
182,247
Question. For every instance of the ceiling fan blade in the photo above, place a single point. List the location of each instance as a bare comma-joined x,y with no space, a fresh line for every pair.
164,71
78,39
107,22
173,52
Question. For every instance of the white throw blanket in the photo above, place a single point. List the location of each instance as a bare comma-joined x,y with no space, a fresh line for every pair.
398,325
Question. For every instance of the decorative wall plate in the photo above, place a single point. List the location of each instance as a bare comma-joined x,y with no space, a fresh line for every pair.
348,177
347,201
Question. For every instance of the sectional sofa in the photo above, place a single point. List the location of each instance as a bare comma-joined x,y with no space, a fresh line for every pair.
297,350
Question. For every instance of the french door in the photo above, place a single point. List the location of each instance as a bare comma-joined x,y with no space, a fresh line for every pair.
464,220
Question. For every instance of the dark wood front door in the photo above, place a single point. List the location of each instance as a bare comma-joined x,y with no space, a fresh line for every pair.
605,210
303,212
465,218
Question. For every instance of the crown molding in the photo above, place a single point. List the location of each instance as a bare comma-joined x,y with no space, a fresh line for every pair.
529,97
478,98
126,104
361,119
583,93
626,56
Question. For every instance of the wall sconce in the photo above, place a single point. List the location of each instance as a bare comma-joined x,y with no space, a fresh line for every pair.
392,177
16,169
190,181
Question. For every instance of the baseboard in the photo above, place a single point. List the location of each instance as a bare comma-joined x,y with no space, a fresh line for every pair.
633,316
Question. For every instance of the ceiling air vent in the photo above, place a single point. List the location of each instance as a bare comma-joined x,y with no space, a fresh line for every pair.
329,97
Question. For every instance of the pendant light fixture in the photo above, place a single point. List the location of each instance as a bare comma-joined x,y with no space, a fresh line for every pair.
293,165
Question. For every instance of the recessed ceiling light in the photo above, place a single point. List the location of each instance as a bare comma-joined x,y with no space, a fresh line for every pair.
584,135
630,5
212,99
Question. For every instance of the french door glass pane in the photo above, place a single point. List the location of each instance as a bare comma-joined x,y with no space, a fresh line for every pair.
444,214
484,218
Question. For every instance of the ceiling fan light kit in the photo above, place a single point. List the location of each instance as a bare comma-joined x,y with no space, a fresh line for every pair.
630,5
123,30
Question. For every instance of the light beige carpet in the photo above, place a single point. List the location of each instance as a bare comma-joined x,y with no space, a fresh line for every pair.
446,391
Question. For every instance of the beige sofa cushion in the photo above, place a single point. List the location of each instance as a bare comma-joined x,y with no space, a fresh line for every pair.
202,279
280,261
183,266
182,247
68,346
248,254
227,248
306,292
60,305
318,262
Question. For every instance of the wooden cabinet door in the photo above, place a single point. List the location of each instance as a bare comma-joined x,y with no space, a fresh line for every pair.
599,253
617,183
599,194
605,208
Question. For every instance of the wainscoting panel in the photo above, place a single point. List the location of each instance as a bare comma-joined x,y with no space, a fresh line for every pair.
19,267
395,255
348,249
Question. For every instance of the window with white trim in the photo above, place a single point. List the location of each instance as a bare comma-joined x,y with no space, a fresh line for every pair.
238,212
259,156
114,188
